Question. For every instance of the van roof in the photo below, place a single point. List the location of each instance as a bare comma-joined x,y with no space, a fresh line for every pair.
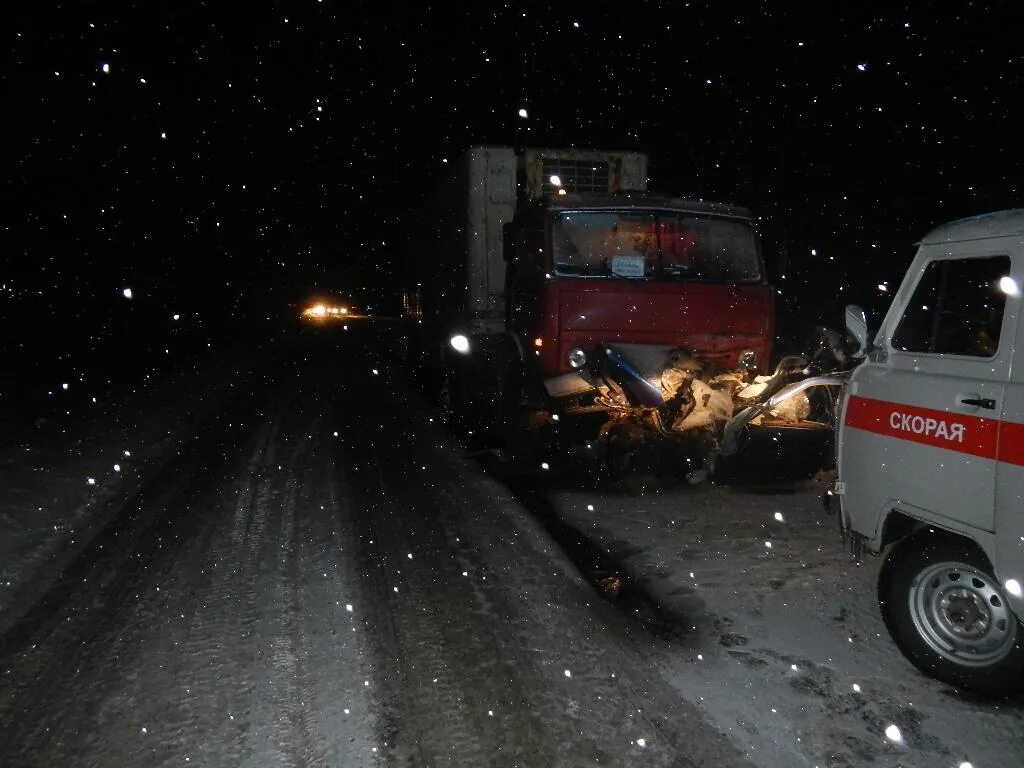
997,224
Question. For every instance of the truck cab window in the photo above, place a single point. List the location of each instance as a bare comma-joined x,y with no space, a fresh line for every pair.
654,245
956,308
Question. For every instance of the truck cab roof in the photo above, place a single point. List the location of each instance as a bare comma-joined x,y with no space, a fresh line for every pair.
642,200
1000,223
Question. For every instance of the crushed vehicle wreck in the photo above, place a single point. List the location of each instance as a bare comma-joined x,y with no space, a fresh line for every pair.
558,304
695,420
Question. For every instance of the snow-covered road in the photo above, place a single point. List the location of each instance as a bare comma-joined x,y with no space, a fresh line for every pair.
773,629
320,576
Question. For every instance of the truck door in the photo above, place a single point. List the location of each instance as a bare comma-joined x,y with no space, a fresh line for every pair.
923,419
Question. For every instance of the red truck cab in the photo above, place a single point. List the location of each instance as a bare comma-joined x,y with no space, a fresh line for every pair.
640,273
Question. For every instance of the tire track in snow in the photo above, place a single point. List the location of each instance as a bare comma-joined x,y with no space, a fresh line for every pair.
516,620
135,616
197,648
428,719
454,648
205,664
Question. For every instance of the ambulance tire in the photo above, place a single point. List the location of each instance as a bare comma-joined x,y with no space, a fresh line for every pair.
917,572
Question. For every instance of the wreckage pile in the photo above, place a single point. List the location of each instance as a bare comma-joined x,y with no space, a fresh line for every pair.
700,400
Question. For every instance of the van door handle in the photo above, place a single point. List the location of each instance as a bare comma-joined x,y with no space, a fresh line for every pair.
980,402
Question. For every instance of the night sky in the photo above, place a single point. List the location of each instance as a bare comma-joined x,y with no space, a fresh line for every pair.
223,159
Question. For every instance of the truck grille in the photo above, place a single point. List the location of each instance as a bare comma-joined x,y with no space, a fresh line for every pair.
575,175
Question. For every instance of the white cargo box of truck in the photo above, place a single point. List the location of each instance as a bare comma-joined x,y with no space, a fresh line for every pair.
481,195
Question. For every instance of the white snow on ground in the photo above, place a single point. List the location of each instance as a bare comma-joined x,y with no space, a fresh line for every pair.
790,656
61,484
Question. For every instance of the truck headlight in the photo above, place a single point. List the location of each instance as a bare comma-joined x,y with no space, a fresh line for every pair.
577,357
748,359
459,343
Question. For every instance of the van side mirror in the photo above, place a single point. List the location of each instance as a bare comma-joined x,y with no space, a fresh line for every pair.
857,325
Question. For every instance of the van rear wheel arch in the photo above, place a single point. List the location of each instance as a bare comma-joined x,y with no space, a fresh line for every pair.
898,526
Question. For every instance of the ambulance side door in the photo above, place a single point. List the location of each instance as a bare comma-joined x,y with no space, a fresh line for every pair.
926,422
1008,555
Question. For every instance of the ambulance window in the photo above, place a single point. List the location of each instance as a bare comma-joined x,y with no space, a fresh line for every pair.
956,309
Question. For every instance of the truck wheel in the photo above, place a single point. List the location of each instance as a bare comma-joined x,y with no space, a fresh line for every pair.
949,615
450,403
526,436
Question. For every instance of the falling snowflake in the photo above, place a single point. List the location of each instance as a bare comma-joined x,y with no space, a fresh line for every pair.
523,113
892,733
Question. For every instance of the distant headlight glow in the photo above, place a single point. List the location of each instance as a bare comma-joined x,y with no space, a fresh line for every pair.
321,311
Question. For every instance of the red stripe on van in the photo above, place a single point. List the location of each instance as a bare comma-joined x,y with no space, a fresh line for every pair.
1011,442
978,436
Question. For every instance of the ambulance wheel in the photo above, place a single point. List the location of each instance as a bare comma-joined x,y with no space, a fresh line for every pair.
950,616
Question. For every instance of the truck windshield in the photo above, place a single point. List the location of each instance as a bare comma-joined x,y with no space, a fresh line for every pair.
654,245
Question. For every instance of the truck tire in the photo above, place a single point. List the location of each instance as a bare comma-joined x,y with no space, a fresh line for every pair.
526,436
448,402
949,615
474,394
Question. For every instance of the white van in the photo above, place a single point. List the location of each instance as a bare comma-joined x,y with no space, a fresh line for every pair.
930,454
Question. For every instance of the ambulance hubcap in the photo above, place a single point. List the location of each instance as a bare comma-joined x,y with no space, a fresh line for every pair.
961,614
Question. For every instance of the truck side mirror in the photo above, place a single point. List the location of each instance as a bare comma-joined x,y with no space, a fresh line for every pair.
857,325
